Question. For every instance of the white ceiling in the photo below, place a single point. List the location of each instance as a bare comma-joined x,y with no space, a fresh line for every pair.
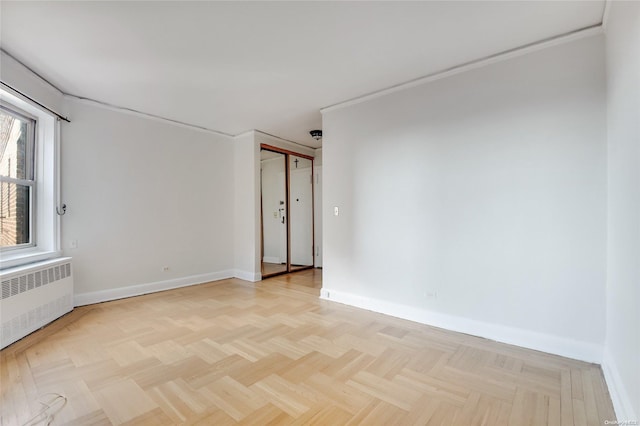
237,66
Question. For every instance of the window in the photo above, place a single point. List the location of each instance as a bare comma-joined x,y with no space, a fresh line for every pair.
28,182
17,184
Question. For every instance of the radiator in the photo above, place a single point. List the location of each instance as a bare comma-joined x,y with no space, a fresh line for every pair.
33,296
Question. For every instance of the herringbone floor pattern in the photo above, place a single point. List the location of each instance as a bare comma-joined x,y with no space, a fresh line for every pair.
272,353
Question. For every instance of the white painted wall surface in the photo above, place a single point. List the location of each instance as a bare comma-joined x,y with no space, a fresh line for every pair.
141,195
317,224
246,193
317,160
479,197
622,350
318,209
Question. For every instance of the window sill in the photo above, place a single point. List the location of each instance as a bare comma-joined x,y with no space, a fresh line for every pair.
26,256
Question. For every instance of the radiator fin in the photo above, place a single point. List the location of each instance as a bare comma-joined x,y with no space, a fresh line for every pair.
32,280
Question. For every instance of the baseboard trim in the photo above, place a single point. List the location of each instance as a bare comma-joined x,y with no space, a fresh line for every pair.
92,297
620,398
271,259
247,276
583,351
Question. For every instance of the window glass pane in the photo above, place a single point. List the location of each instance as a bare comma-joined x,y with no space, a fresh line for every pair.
16,146
15,204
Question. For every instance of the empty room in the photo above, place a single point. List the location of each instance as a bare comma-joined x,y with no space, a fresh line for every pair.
323,212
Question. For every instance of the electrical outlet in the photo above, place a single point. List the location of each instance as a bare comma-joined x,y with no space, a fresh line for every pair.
336,211
432,295
165,269
73,244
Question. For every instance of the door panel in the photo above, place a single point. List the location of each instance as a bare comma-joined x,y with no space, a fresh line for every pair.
301,212
274,220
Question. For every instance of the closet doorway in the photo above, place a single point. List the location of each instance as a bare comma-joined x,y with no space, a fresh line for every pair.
286,211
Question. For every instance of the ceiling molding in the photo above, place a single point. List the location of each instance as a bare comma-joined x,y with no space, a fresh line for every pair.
590,31
142,114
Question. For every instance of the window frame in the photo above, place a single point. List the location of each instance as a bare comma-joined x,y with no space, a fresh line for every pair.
45,194
30,171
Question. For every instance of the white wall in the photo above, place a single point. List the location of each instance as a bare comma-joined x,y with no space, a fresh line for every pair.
142,194
247,207
622,351
317,206
477,202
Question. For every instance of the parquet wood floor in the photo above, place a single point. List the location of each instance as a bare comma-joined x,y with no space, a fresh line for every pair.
232,352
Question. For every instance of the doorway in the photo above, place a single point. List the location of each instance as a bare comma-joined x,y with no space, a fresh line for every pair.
287,211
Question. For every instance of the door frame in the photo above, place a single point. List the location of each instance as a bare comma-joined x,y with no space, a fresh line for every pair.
287,153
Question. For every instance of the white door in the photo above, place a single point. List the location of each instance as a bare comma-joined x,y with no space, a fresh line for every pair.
301,216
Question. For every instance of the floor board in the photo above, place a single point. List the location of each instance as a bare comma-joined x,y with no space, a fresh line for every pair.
232,352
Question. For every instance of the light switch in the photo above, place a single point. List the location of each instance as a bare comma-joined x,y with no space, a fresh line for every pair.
275,215
336,211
